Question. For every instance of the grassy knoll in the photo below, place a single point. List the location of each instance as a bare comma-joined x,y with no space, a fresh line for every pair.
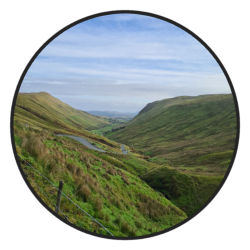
193,134
105,185
188,192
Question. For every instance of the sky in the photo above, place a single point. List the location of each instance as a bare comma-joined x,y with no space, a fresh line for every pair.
121,62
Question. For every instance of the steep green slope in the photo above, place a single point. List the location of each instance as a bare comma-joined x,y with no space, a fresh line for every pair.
188,192
106,186
179,131
47,109
43,111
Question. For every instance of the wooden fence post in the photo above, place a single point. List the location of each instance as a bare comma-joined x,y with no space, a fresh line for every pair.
59,196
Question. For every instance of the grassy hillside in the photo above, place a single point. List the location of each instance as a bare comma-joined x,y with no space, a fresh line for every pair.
43,111
46,109
105,185
181,148
188,192
193,134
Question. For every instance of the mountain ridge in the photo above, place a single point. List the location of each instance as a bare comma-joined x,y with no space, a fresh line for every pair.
170,129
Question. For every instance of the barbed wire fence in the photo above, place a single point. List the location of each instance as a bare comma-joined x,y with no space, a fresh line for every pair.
49,193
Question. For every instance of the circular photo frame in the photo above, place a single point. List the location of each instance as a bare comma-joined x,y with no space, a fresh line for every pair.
125,125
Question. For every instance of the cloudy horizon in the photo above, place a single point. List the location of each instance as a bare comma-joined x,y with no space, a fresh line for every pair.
121,62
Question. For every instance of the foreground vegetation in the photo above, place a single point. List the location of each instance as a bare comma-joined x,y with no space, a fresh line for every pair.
105,185
188,192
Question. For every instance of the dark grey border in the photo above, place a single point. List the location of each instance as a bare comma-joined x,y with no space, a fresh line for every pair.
139,13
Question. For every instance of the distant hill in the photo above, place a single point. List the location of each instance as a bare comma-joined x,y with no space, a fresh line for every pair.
43,111
112,114
193,134
49,110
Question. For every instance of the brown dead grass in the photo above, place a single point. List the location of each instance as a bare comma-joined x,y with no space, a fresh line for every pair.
111,171
151,208
106,176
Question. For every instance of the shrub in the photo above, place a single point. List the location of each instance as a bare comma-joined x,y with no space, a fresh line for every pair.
79,172
108,187
124,178
107,218
176,210
104,166
88,165
100,215
72,168
111,171
34,146
92,161
138,224
151,229
88,179
85,192
132,232
117,202
118,220
151,208
125,228
98,204
106,176
59,157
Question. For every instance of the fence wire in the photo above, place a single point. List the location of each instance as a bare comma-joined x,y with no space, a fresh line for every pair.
52,204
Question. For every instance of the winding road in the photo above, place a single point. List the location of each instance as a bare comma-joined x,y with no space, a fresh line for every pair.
89,145
123,150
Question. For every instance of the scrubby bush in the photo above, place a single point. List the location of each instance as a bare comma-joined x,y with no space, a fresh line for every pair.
72,168
34,146
151,208
111,171
125,228
79,172
88,165
117,220
85,192
124,178
107,218
106,176
51,166
138,224
132,232
98,204
176,210
108,187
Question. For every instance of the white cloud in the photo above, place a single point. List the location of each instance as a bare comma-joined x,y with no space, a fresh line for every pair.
150,61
